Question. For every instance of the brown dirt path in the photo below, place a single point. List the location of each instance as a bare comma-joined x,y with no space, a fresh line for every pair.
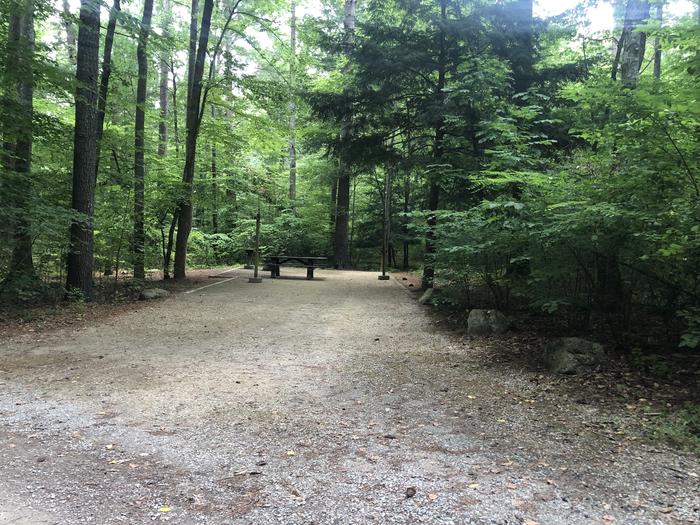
302,402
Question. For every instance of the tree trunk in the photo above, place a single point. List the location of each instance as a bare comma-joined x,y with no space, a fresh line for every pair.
176,137
70,32
139,239
293,107
522,35
163,85
169,248
333,208
341,251
18,139
406,203
80,257
635,42
438,150
214,186
194,97
104,78
657,43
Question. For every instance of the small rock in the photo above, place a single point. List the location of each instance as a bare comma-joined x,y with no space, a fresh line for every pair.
153,293
487,322
573,355
410,492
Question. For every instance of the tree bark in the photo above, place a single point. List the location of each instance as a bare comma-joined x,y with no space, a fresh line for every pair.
214,185
406,203
333,208
18,139
104,78
194,98
657,43
70,32
635,42
163,85
80,257
523,63
139,238
293,107
438,150
341,251
176,137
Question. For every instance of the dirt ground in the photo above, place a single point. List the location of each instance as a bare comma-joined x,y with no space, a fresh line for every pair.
311,402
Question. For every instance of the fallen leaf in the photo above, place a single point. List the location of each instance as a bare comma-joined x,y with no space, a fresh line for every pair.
291,453
608,517
164,509
432,497
473,485
528,521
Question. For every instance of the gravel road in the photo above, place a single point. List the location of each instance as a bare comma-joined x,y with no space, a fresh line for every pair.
297,402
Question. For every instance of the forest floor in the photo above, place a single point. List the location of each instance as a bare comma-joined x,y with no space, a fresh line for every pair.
338,400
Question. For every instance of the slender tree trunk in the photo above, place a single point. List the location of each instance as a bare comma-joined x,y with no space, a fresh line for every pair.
70,32
657,43
523,64
139,239
438,150
635,42
406,203
194,98
214,185
293,107
80,257
341,252
18,139
169,248
618,54
104,78
333,208
163,85
352,220
176,132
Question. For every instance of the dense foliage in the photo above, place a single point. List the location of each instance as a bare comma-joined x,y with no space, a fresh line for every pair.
532,164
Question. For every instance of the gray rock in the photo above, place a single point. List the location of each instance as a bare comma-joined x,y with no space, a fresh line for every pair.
487,322
153,293
573,355
427,296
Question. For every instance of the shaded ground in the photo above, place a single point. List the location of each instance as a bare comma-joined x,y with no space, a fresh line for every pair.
321,401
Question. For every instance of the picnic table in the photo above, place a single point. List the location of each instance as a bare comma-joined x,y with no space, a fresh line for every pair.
273,263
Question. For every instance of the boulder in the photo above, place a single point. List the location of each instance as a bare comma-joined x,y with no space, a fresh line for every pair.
487,322
153,293
573,355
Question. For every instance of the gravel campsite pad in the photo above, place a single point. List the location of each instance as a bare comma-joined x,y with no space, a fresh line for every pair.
335,400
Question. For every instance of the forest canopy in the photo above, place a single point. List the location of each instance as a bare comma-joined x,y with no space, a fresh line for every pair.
526,159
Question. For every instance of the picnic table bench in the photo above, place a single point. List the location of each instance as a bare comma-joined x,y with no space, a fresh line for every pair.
273,263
